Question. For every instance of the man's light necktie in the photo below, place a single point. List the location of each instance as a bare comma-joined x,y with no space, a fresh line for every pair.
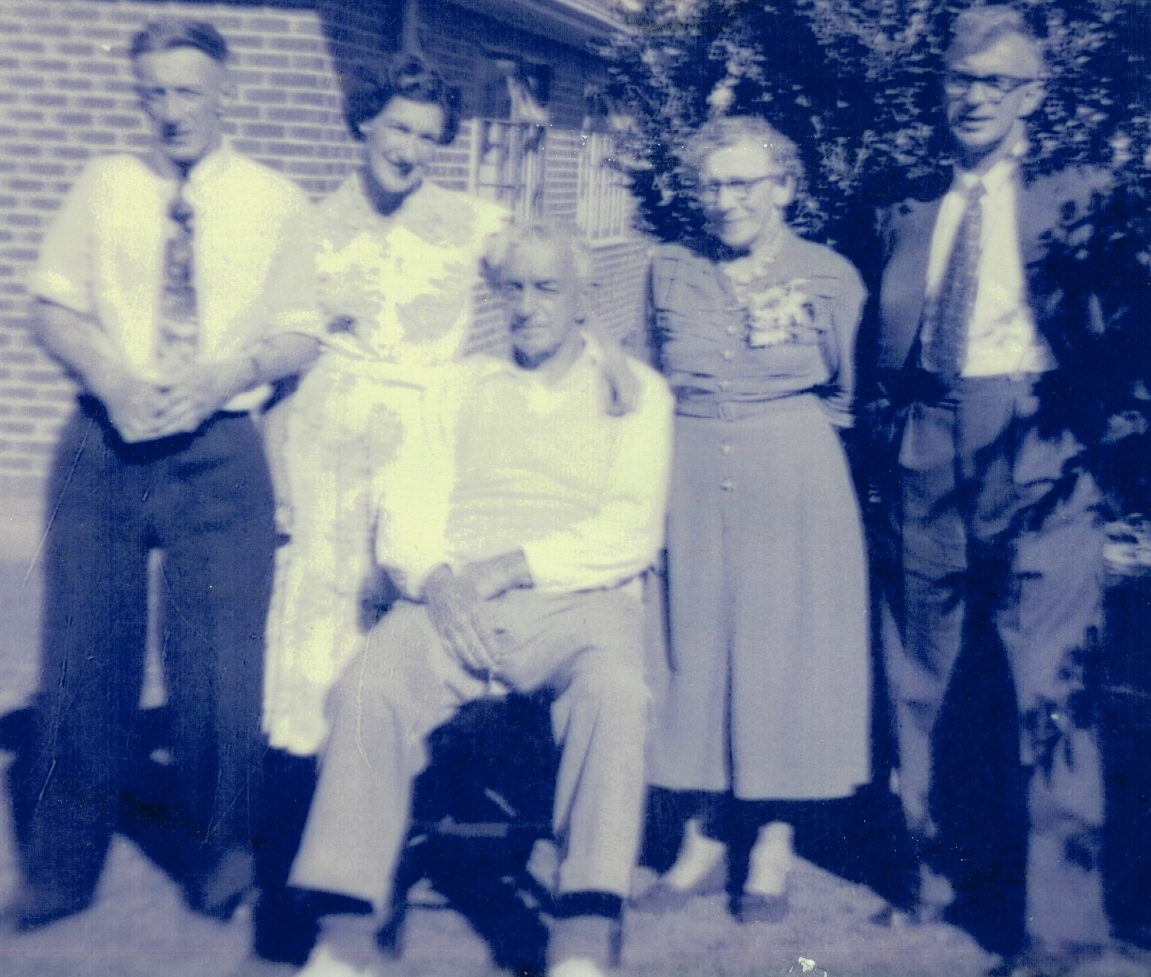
179,339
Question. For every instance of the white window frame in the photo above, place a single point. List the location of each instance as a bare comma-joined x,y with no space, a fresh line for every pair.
605,207
508,165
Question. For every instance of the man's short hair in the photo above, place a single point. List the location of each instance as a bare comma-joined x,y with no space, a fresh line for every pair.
373,84
171,32
566,237
730,130
978,28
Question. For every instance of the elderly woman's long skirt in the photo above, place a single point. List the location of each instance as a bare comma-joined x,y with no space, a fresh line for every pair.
770,686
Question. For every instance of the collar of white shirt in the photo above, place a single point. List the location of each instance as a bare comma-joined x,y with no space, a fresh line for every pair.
994,180
204,171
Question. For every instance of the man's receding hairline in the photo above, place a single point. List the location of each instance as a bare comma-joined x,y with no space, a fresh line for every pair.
979,29
563,236
172,33
220,66
1027,43
563,250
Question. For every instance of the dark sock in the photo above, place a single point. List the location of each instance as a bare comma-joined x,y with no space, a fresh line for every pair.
588,903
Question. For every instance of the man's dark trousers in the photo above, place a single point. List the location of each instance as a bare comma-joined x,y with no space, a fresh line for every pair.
205,500
992,514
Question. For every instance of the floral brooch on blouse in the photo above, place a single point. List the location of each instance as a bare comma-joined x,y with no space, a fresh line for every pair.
778,314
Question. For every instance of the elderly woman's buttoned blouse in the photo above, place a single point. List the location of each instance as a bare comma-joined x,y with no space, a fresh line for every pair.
702,330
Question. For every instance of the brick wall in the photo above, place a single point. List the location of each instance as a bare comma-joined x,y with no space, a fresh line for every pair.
66,95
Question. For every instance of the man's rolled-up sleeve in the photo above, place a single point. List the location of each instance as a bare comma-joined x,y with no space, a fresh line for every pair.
290,289
63,273
624,538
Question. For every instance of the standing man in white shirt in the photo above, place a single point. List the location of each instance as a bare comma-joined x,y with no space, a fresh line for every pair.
173,287
993,511
530,579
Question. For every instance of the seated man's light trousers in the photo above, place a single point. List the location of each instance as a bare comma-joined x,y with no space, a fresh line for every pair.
587,647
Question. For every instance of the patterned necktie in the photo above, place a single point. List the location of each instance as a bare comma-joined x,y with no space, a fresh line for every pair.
946,346
179,338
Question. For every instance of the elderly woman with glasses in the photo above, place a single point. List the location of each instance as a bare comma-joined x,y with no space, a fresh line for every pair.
768,705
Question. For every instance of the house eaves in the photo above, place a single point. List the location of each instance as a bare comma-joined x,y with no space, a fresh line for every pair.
575,22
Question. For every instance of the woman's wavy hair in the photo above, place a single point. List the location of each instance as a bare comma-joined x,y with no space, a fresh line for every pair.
372,85
730,130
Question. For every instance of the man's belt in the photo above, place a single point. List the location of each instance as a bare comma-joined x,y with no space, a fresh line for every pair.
914,384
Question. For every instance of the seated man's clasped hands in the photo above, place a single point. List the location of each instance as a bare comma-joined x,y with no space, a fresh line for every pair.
454,599
552,507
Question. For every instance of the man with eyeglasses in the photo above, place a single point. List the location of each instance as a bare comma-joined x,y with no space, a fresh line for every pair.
993,519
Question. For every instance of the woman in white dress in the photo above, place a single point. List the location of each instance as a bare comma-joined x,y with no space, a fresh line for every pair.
398,262
398,266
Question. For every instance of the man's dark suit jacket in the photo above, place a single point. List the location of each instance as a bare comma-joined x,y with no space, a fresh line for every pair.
982,799
1049,207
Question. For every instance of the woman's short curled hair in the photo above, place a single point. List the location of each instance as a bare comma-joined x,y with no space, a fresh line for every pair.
731,130
372,85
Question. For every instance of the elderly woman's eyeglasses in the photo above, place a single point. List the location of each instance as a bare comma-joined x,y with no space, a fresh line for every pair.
739,188
997,87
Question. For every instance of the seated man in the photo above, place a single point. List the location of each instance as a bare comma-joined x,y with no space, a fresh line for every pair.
552,510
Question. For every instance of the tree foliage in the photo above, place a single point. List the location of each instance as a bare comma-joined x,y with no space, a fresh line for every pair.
856,84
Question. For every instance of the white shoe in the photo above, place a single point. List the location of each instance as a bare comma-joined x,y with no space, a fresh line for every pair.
575,968
771,860
699,869
322,962
699,856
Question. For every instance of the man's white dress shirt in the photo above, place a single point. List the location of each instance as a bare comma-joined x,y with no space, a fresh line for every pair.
1002,338
253,258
